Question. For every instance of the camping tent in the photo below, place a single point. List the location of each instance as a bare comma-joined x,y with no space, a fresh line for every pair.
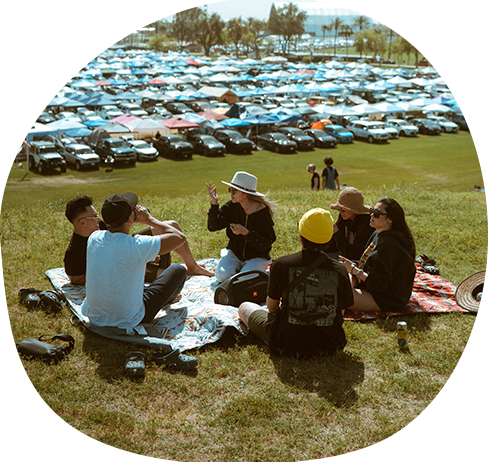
13,149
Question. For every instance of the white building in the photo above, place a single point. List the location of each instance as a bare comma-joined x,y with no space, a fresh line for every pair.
319,14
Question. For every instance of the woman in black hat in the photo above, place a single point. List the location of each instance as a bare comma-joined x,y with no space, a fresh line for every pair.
248,220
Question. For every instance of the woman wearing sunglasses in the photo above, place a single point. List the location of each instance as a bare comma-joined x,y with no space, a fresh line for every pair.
248,220
385,283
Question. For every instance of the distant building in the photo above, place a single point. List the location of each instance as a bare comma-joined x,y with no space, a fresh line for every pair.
319,14
8,20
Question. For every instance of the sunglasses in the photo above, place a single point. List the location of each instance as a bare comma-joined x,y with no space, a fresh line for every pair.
376,212
233,190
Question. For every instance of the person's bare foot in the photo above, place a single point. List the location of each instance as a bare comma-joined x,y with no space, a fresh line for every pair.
198,270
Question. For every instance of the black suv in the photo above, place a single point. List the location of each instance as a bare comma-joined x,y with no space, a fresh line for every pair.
234,141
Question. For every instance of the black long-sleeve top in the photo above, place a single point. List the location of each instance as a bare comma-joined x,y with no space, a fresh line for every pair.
352,236
257,244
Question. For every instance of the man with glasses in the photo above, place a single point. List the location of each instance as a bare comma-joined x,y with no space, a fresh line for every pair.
84,218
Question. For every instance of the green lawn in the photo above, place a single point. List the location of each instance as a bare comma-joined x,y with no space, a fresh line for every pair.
243,404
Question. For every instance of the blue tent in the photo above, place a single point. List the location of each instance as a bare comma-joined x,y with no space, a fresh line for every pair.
77,132
262,119
234,123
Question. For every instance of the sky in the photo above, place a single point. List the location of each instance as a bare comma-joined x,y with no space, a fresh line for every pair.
450,10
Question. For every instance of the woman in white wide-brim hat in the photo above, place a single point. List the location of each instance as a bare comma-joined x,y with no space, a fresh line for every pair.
248,220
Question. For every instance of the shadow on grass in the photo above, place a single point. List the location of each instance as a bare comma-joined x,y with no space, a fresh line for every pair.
331,377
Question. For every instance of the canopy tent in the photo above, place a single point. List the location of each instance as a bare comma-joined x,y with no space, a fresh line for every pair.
388,108
231,122
211,114
192,117
262,119
178,122
123,119
114,127
13,149
146,128
436,108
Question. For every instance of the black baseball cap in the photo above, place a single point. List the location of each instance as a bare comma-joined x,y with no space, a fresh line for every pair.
117,208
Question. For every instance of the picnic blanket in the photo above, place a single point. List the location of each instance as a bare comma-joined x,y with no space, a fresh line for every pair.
196,320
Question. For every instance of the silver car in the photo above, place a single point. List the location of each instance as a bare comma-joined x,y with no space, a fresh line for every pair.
446,125
404,128
144,150
81,156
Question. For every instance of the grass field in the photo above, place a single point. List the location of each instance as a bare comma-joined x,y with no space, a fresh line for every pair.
243,404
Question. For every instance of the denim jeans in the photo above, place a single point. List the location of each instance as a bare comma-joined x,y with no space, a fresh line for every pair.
229,265
163,290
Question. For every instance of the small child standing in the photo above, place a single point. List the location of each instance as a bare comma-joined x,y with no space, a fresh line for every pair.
315,177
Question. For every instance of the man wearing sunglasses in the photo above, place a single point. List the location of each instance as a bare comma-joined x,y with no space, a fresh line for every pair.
85,220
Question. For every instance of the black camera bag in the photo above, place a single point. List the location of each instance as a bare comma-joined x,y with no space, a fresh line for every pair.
33,348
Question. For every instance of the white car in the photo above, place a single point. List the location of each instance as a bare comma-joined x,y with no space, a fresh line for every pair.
81,156
133,109
109,112
144,150
404,128
446,125
392,131
371,131
457,66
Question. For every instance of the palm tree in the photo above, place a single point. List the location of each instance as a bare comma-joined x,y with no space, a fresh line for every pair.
419,9
98,17
391,23
402,24
325,28
361,22
346,31
335,24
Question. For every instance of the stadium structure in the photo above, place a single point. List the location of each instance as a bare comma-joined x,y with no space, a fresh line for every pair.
319,14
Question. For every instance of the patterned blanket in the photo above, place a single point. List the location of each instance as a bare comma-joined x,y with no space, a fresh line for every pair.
196,320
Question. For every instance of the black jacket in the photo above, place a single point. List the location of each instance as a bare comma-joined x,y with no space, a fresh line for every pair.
350,240
391,270
257,244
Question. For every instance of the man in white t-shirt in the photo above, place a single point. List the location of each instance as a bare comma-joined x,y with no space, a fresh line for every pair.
116,264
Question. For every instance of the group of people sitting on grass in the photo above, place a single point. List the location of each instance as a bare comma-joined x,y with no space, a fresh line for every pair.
365,261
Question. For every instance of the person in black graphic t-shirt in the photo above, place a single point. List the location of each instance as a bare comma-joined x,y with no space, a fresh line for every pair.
307,320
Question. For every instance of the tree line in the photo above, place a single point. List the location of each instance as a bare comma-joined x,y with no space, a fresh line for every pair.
286,24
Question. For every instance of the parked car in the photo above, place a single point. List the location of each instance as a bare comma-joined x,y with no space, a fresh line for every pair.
457,66
158,110
81,156
340,133
173,146
133,109
67,115
446,125
303,141
144,151
109,112
322,139
473,122
45,156
115,150
234,141
10,119
393,133
200,106
207,145
177,108
427,126
41,117
277,142
371,131
404,128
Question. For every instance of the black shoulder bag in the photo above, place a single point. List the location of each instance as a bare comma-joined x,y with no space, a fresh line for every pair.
35,348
